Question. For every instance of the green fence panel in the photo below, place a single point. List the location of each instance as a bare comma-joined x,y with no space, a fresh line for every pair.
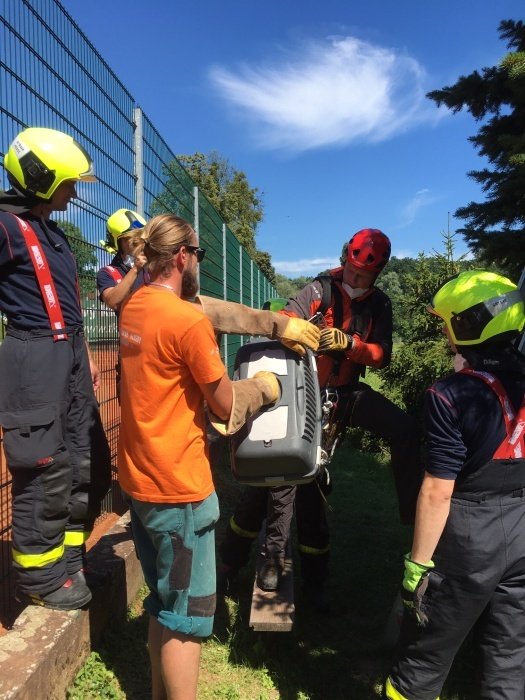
167,185
246,282
210,237
52,76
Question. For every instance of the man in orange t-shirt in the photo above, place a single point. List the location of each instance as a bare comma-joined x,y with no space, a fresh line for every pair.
169,463
170,366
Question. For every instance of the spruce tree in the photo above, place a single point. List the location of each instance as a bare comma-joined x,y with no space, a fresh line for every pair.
495,228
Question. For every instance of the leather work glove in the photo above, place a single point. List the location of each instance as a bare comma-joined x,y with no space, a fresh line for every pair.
415,582
229,317
249,396
300,334
334,339
268,385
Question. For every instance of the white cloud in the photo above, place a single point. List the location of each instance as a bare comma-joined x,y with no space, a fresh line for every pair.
304,267
327,93
408,213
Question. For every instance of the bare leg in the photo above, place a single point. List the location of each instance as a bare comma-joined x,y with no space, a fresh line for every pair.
174,663
158,691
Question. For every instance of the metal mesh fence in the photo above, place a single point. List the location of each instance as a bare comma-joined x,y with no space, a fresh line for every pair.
52,76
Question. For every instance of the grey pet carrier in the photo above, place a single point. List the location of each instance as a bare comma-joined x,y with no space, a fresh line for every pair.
281,445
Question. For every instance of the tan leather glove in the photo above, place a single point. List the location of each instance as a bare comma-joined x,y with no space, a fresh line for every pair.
230,317
268,385
249,396
299,334
334,339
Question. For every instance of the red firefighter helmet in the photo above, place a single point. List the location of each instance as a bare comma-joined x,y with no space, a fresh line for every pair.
368,249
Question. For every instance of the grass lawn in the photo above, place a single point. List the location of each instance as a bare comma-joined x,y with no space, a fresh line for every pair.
335,657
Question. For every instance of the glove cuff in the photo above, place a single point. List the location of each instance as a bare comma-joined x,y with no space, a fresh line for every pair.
413,572
249,396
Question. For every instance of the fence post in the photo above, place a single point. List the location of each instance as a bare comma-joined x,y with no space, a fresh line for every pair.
240,275
138,138
196,210
240,283
224,284
196,221
251,283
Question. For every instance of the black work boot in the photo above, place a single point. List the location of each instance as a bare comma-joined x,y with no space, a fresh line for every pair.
71,596
89,577
269,574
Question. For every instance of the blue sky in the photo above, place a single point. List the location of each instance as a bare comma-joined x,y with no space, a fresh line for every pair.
321,103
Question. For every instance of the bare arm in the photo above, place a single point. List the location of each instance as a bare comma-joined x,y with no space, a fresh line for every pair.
114,296
219,396
95,373
433,507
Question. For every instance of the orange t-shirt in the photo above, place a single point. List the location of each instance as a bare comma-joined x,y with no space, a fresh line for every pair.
168,347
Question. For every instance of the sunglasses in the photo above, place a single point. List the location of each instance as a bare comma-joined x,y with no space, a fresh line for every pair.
199,252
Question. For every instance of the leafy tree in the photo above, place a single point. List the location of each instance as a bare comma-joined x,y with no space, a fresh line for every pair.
495,228
238,204
390,282
177,195
300,282
264,261
400,265
284,286
422,355
289,287
85,257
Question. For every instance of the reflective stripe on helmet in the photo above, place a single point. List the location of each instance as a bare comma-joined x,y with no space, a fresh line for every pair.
39,160
479,306
121,223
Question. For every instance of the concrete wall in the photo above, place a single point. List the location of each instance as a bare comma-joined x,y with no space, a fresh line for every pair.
41,655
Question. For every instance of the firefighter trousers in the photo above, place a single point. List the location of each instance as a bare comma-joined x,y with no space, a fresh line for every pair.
368,409
372,411
56,452
257,504
478,582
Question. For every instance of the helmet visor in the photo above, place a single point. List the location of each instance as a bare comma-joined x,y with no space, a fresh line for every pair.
469,324
133,228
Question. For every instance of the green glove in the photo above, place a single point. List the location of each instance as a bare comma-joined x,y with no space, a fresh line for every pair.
334,339
415,582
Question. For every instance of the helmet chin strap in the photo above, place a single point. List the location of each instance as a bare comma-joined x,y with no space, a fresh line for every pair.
352,292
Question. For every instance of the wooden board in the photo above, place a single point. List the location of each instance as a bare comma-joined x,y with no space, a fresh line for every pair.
274,611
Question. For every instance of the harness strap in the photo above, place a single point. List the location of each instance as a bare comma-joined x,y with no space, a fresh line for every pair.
44,279
331,291
513,445
338,307
326,296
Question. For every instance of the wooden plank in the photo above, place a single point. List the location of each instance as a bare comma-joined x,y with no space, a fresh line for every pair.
274,611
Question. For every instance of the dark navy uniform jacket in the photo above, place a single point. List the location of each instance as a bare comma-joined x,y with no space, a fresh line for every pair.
20,296
464,422
106,281
104,278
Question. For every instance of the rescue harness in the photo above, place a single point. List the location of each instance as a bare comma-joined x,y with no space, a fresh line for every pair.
513,445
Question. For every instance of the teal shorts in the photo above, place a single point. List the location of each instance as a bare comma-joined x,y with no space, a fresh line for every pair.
176,547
